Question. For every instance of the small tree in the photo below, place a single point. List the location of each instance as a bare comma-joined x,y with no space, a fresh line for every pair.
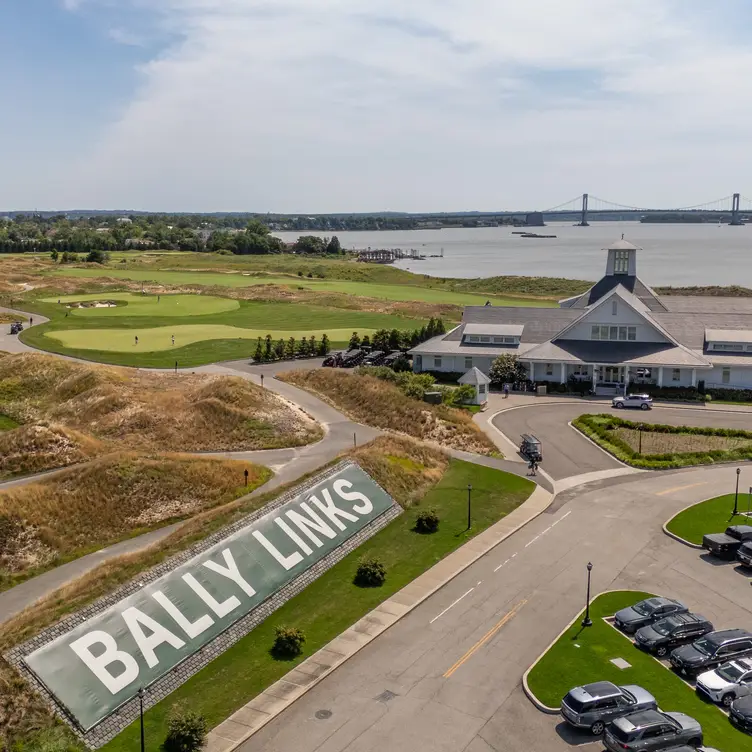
370,573
334,245
258,355
303,348
97,257
186,731
427,522
395,339
366,341
324,345
440,327
354,341
431,328
268,347
279,350
312,345
288,642
290,348
54,255
381,340
506,369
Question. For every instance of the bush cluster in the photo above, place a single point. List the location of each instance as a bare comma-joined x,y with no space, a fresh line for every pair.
186,731
427,522
600,429
288,642
370,573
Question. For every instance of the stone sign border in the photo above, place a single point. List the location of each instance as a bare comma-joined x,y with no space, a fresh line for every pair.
111,726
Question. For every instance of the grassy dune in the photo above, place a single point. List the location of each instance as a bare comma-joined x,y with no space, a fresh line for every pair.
381,404
86,508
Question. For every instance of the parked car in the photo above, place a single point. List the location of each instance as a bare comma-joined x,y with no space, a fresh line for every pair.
744,554
725,545
646,612
374,358
652,730
664,635
592,706
727,682
639,401
740,713
353,358
333,360
16,327
712,650
530,447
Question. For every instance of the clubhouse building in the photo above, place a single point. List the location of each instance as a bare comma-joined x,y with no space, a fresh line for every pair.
618,335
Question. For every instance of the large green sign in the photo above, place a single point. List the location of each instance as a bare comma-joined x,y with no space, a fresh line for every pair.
100,664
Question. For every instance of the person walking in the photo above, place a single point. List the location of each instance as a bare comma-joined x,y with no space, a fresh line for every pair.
159,297
506,391
535,467
531,468
173,340
137,339
31,321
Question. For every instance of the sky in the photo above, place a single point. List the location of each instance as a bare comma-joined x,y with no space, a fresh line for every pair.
371,105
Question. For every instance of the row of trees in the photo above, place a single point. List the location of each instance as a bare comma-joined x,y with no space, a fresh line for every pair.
394,339
308,347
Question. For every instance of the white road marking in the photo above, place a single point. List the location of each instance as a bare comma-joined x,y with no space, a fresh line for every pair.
563,517
501,565
530,543
451,605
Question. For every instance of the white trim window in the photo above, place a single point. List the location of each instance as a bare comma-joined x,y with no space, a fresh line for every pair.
726,375
676,374
614,308
606,333
549,369
468,363
621,262
437,361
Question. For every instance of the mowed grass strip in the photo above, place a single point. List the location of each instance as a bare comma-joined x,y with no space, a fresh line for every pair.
711,516
399,292
381,404
583,655
332,603
118,496
161,338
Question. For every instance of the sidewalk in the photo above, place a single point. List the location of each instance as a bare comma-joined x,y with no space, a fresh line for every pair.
255,714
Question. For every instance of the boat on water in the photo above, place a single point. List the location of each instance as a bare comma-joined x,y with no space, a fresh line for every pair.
534,235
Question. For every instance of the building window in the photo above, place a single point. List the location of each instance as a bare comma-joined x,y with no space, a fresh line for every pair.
549,369
418,361
613,333
595,332
676,374
726,375
485,339
614,308
631,333
468,363
510,341
481,388
437,362
473,338
621,262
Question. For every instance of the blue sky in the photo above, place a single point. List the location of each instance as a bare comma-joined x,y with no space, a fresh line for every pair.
366,105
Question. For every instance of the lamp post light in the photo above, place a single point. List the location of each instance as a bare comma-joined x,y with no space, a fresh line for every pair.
469,505
141,712
736,493
749,501
587,621
639,429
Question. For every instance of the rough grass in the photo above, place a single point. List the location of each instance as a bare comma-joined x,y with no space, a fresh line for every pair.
711,516
8,318
381,404
90,507
671,443
583,655
7,423
145,410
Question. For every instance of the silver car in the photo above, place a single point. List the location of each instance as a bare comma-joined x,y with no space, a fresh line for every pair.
592,706
640,401
729,681
651,730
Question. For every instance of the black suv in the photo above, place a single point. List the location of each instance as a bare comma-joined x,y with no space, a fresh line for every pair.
725,545
712,650
652,730
679,629
646,612
741,713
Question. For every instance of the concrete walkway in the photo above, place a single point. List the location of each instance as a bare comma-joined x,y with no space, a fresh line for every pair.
10,342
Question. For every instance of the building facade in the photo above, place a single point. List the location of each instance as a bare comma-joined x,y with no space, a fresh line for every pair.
618,335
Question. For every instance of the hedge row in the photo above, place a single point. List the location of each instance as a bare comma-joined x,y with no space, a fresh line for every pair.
600,429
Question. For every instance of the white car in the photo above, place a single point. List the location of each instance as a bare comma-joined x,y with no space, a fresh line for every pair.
727,682
641,401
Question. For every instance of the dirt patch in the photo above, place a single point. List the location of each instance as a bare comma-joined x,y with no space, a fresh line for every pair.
677,443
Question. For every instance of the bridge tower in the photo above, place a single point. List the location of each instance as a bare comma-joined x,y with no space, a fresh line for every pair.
736,220
583,222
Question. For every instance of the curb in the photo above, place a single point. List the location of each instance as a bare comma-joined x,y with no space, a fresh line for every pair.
526,688
683,541
266,706
605,451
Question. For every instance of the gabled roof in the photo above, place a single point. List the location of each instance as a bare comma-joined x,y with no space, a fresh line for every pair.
474,377
629,282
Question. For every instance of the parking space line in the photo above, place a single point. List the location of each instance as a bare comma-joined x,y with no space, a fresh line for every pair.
451,605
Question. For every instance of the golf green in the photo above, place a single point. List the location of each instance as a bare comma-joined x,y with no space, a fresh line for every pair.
160,338
133,304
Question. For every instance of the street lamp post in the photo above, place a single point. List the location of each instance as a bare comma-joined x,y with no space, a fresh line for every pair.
587,621
736,493
469,506
141,709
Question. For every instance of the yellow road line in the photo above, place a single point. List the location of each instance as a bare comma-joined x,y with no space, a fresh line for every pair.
680,488
486,637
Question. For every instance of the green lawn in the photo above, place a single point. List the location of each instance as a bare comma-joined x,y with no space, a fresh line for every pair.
397,292
133,304
6,423
581,656
711,516
332,603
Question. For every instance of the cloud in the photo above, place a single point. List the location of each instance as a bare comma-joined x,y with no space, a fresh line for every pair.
346,105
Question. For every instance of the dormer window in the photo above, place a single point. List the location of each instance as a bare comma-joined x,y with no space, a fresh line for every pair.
621,262
614,308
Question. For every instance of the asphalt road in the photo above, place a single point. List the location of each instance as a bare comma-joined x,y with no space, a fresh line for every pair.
567,452
448,676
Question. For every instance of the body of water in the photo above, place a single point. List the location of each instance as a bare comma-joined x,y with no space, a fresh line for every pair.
672,254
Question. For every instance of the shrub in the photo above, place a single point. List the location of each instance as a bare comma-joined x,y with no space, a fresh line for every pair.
288,642
427,522
186,731
370,573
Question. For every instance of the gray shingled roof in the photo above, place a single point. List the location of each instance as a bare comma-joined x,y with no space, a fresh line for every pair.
604,286
474,377
632,353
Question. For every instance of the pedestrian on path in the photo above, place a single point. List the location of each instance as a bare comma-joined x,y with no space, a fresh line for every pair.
31,321
137,339
506,391
173,340
159,297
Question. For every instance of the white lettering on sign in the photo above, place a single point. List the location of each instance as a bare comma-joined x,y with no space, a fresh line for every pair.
365,508
290,533
288,562
191,628
220,609
136,620
99,663
311,525
332,511
230,570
